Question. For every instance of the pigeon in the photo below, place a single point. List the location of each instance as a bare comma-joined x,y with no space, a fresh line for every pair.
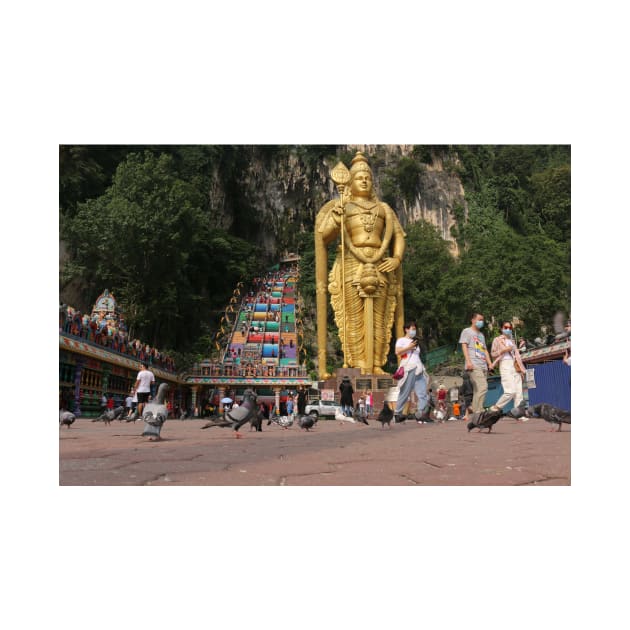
551,414
518,412
217,421
484,419
360,416
106,417
282,421
111,414
385,417
420,416
236,418
307,422
183,415
134,416
66,417
341,417
214,420
155,413
256,421
424,416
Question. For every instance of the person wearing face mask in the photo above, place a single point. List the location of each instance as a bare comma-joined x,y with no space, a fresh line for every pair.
506,354
477,360
408,350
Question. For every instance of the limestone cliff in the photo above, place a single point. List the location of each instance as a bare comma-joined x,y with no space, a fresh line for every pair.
280,191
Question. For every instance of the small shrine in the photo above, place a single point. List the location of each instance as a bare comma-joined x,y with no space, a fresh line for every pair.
106,311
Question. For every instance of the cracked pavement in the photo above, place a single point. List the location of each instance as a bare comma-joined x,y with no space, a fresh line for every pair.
514,454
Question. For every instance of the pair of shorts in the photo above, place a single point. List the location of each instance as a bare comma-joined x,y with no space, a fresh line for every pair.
143,397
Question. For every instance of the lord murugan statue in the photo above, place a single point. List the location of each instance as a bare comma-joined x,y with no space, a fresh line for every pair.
365,283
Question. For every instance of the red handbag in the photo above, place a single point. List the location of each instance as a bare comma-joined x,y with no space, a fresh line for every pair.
399,373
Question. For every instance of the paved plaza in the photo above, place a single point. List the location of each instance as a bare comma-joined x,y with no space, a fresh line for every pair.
92,453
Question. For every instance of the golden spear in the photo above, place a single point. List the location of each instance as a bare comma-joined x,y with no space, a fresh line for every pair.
341,176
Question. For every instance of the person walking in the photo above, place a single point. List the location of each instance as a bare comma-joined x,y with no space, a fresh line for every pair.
301,401
134,401
506,354
441,397
143,387
346,390
361,405
477,359
128,404
466,390
408,350
369,402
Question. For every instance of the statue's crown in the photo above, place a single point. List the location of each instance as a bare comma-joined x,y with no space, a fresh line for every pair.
359,163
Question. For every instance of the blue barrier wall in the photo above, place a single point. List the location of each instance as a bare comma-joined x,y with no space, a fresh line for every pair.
553,384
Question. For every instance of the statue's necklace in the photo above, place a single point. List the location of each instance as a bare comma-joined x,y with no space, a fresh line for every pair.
368,218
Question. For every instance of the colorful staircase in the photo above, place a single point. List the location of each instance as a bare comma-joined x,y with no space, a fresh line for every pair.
264,330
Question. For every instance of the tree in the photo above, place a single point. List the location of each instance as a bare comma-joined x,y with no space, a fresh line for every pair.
552,201
148,240
426,260
80,176
506,275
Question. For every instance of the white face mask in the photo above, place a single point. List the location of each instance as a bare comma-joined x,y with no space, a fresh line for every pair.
412,332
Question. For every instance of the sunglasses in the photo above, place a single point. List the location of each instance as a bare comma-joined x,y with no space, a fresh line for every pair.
508,328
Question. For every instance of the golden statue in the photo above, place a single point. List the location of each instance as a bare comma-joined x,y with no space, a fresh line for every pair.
365,283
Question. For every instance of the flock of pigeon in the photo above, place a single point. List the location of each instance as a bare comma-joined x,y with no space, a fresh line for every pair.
154,415
248,411
489,417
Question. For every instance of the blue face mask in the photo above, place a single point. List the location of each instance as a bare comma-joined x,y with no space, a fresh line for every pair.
507,332
412,332
479,324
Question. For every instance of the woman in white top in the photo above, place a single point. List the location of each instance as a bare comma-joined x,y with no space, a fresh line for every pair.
408,351
506,354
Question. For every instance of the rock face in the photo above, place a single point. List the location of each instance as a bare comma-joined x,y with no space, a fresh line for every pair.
285,188
439,194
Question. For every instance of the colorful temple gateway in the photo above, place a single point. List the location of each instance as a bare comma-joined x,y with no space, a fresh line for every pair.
97,357
258,346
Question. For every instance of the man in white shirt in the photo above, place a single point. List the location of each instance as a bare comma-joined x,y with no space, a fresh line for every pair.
143,387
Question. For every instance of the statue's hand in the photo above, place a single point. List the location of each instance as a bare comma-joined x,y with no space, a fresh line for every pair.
338,208
389,264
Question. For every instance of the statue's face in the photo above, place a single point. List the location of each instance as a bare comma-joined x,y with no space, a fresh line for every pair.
361,184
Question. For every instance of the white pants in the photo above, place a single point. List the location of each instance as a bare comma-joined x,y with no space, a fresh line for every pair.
512,384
